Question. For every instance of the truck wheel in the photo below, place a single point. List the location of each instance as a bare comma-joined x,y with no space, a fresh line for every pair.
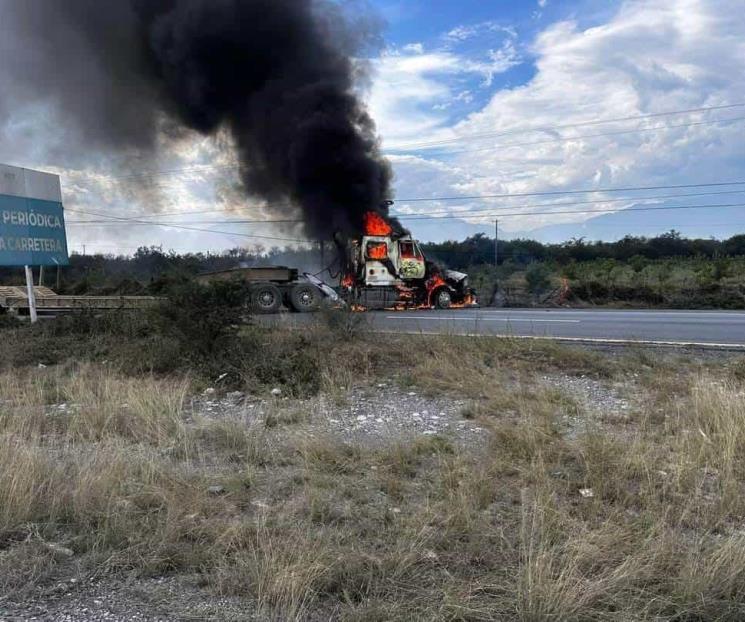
265,298
442,299
305,298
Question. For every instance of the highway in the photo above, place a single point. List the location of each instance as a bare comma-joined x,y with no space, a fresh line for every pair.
704,328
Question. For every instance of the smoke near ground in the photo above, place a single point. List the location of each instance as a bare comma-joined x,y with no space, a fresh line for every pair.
277,75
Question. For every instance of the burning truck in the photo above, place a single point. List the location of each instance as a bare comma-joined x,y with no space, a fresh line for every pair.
381,269
386,269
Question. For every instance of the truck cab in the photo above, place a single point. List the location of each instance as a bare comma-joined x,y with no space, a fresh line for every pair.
389,261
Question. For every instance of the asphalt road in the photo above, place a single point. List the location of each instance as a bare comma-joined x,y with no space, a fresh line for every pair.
721,328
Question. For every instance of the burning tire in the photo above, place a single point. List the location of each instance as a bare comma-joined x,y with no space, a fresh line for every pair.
266,298
442,299
304,298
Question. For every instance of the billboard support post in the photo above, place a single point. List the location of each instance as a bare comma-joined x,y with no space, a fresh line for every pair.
31,296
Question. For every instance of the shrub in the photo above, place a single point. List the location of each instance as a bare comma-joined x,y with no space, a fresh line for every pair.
538,277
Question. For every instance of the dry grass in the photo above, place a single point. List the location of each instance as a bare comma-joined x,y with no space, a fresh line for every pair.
314,528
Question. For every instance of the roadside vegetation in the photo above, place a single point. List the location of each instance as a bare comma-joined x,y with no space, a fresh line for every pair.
667,271
561,511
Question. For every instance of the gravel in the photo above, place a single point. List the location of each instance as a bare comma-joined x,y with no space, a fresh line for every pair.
377,413
125,599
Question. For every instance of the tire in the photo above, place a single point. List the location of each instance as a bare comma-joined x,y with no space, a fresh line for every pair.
442,299
265,298
304,298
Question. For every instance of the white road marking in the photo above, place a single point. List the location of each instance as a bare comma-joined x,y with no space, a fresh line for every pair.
636,316
615,342
478,319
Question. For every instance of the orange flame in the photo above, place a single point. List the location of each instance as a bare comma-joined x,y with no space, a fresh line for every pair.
435,282
348,281
377,250
375,224
432,284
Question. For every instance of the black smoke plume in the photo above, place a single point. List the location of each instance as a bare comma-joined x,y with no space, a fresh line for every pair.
278,75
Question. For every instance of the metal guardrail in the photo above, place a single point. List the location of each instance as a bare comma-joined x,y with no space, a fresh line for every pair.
15,299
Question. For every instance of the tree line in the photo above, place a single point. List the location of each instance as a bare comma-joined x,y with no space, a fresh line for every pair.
479,250
150,265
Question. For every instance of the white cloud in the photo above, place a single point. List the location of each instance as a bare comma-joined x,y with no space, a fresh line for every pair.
414,48
469,31
412,89
652,56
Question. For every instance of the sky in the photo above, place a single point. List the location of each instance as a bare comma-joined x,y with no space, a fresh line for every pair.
499,97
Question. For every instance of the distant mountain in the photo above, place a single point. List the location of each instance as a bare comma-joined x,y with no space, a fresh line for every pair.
716,222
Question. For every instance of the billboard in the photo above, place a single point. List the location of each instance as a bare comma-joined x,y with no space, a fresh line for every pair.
32,220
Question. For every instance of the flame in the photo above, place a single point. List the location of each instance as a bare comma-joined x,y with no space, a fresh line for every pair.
375,224
468,301
432,284
348,281
377,250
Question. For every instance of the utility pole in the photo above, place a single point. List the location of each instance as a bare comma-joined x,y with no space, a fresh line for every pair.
496,243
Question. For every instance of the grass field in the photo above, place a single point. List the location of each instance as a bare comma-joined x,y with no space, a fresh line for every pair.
566,509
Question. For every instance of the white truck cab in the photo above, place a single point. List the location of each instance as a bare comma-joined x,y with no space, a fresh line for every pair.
389,262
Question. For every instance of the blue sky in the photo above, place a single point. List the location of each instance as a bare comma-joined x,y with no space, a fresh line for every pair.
504,89
452,70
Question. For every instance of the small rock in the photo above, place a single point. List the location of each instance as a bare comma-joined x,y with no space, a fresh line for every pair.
429,432
361,418
276,392
58,549
396,510
209,391
586,493
216,490
42,366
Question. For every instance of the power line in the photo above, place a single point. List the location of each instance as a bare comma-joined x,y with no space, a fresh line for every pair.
176,226
566,192
196,168
432,217
463,214
611,211
498,134
494,196
584,136
405,216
